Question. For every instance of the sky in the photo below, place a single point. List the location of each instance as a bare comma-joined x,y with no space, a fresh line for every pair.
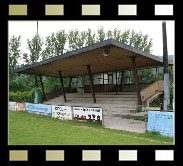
27,29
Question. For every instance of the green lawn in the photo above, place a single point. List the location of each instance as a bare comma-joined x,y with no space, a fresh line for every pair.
32,129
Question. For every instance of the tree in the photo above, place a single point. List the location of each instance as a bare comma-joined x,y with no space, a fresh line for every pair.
117,35
14,54
101,34
90,37
76,39
55,45
109,34
146,76
30,58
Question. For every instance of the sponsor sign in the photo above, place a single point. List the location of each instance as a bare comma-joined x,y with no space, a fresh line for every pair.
93,115
162,122
20,106
12,106
62,112
42,109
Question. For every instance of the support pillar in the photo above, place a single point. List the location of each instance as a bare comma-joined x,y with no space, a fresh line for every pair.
116,84
42,86
62,85
91,83
108,81
158,72
103,83
70,82
166,72
136,80
36,92
122,78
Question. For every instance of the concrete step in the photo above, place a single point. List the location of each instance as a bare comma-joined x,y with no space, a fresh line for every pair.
106,106
101,95
97,99
112,104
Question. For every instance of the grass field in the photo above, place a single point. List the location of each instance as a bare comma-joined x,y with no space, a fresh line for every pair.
32,129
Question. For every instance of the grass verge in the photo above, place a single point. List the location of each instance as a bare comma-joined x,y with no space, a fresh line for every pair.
32,129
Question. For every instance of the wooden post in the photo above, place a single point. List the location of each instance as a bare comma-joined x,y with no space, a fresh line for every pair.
70,82
42,86
91,83
122,78
62,85
136,80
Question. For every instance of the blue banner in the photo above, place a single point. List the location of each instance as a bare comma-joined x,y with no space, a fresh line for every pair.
162,122
39,108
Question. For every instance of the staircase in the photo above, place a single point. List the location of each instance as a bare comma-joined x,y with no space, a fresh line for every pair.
152,91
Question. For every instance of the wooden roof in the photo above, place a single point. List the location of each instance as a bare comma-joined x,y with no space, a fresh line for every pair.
74,63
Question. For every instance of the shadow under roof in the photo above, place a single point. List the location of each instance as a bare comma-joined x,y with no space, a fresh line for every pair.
74,63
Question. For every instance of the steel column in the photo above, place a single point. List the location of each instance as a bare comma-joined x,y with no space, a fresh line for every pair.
116,84
103,83
62,85
70,82
91,83
122,78
136,80
166,72
36,92
42,86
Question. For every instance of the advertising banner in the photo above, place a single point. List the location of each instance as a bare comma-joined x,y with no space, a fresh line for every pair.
12,106
20,106
93,115
162,122
62,112
42,109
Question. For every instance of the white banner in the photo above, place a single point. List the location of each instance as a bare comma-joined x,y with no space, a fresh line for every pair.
12,106
62,112
88,114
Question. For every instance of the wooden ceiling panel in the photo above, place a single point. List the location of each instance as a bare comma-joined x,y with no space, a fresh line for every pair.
75,63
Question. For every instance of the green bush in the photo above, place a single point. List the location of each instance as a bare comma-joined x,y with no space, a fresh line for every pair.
23,96
155,132
170,107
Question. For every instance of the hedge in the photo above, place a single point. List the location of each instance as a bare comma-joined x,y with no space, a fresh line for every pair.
22,96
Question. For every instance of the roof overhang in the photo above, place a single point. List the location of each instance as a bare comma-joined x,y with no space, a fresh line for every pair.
74,63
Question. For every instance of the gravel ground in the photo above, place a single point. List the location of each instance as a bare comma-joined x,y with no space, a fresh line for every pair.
124,124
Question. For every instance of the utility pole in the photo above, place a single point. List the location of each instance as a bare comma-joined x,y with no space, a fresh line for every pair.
166,73
36,55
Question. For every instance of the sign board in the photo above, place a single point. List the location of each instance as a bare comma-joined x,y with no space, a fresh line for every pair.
20,106
42,109
62,112
88,114
12,106
162,122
